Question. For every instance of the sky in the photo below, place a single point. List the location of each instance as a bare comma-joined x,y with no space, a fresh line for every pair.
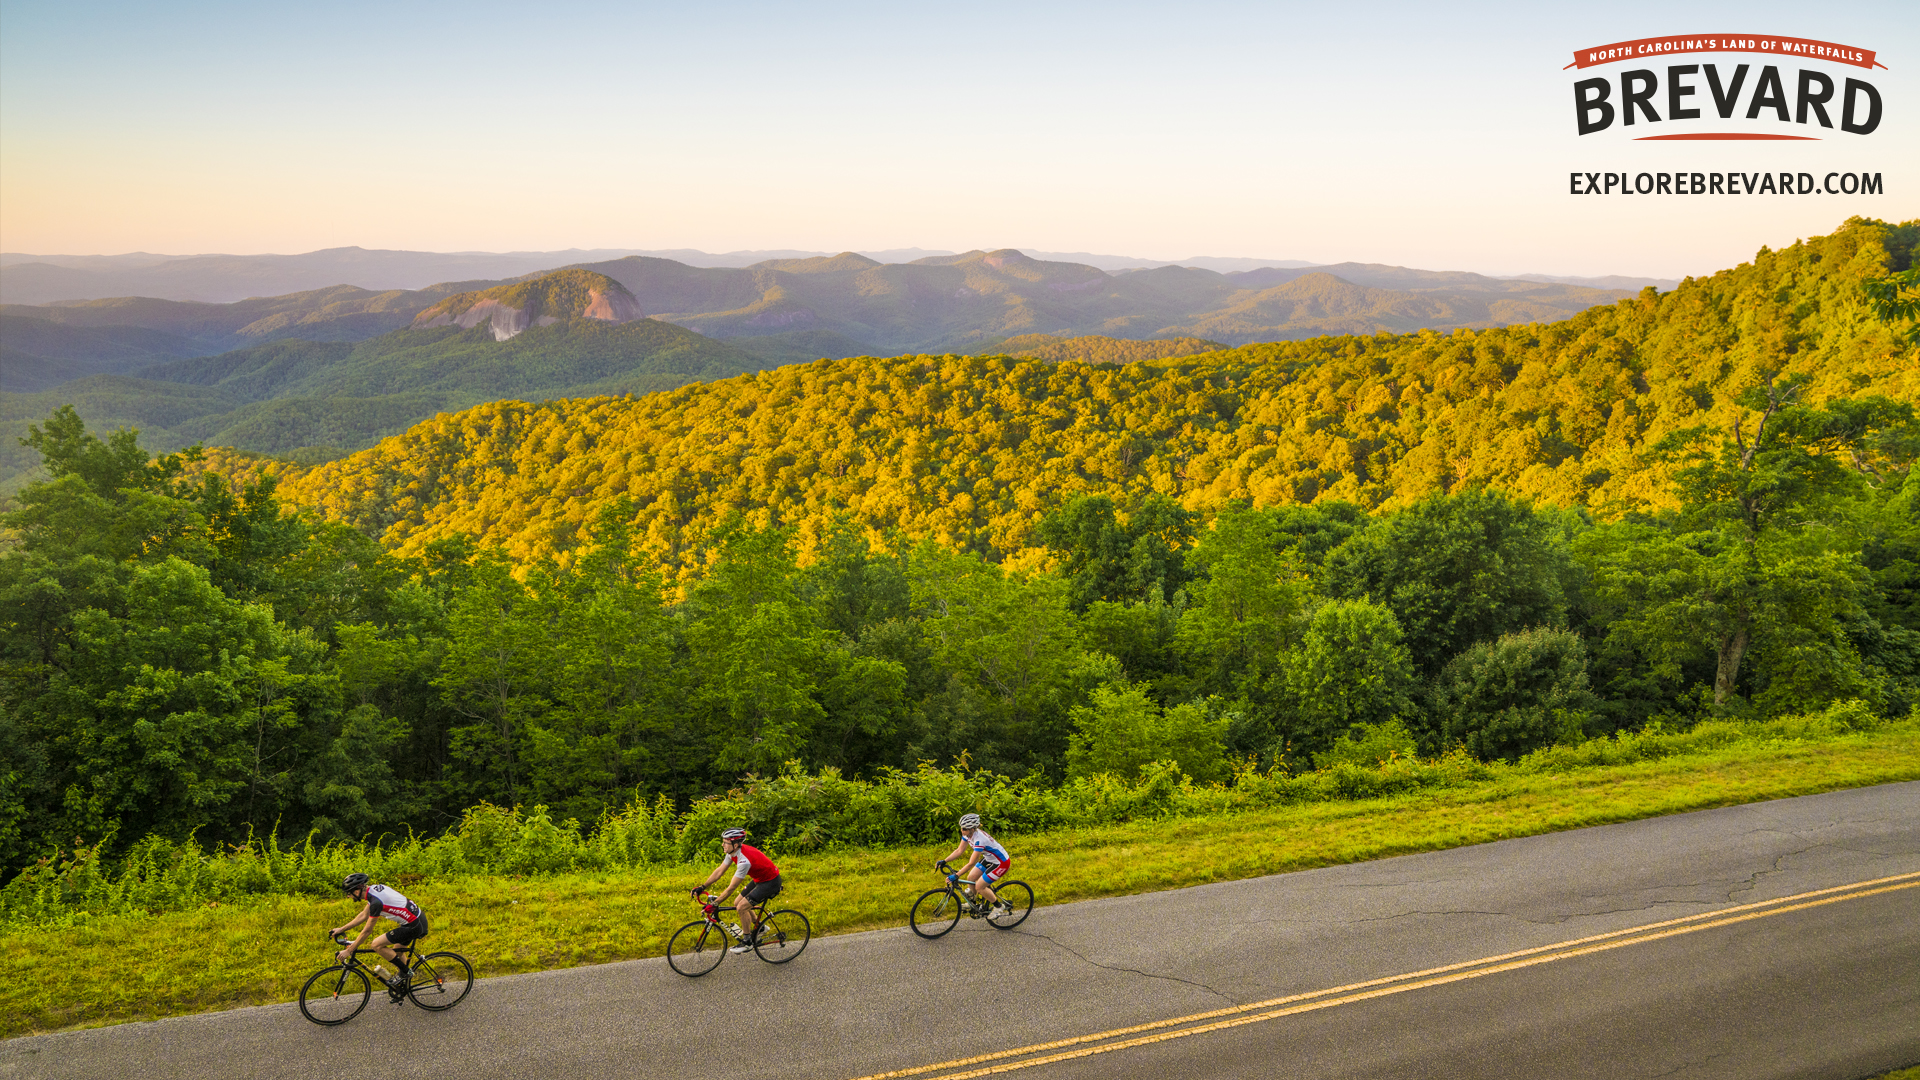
1418,134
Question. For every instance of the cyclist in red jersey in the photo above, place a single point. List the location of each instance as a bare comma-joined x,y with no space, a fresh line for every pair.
749,866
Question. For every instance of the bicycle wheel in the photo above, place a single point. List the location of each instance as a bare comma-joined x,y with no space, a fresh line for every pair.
697,948
440,981
1016,895
783,935
335,995
934,913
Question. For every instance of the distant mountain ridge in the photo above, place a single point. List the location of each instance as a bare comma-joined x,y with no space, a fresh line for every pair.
952,303
798,309
47,279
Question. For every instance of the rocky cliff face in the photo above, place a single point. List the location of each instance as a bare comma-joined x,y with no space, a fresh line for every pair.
549,298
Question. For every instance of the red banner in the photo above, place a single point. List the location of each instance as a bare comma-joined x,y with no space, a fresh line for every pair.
1799,48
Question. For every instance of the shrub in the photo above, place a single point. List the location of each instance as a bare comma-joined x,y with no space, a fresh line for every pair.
1123,732
1502,699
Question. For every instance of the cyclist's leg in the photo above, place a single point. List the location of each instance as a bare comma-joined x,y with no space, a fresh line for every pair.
987,879
752,896
974,884
394,942
382,946
743,907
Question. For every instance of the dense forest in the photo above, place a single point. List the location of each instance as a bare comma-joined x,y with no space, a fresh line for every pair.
1685,505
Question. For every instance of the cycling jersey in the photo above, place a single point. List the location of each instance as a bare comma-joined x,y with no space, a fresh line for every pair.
991,853
749,861
391,905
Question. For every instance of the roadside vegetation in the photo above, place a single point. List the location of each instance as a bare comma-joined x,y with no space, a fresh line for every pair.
182,929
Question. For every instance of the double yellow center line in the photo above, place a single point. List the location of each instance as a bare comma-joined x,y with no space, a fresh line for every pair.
1102,1042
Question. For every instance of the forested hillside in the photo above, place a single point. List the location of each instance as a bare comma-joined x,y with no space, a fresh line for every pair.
972,449
1234,566
321,399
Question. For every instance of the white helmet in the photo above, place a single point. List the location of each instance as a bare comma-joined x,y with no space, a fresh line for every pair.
969,821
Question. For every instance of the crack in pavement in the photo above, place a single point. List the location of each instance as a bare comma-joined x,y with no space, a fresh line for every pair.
1076,954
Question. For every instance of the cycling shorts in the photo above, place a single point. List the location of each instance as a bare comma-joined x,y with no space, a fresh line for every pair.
991,874
763,890
408,933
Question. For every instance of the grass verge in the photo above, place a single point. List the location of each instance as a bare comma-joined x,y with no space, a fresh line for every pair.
120,968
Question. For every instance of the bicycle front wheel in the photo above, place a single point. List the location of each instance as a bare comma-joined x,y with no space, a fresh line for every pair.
1019,901
697,948
934,913
335,995
783,935
441,981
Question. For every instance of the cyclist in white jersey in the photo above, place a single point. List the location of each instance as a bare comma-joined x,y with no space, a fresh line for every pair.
987,863
382,903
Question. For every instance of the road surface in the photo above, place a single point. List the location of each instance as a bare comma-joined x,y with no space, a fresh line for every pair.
1777,939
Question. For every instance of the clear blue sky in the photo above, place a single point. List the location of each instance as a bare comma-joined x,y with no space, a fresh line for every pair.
1423,134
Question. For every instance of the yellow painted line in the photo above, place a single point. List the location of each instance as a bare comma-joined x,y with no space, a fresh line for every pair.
1415,980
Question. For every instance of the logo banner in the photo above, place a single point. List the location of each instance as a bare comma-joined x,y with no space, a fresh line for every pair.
1644,48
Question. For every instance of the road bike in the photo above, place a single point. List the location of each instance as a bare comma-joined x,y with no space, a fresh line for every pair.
699,946
334,995
939,910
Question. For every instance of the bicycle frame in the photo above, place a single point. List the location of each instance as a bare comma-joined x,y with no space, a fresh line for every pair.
410,951
711,910
962,888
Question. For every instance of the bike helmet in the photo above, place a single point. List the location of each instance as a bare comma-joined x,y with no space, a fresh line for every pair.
354,881
970,821
733,834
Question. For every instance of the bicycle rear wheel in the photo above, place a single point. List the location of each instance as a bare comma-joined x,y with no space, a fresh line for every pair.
934,913
783,935
335,995
697,948
1017,897
440,981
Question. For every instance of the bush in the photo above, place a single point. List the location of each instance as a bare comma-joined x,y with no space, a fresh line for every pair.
1506,698
1122,732
1370,746
1351,669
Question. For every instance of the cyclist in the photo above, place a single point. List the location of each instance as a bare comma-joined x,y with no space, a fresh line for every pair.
382,902
748,865
987,864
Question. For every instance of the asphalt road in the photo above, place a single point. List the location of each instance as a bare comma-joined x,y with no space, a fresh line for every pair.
1731,981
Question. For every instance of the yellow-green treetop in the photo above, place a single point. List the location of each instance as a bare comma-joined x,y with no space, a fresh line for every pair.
973,451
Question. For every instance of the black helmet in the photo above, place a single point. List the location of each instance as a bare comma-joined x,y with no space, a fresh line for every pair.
733,834
354,881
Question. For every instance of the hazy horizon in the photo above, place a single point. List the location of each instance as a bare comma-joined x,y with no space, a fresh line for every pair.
1416,136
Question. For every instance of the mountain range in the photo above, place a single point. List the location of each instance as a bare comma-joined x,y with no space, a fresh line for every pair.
320,373
46,279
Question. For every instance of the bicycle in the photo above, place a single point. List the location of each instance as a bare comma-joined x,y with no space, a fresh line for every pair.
335,995
939,910
698,947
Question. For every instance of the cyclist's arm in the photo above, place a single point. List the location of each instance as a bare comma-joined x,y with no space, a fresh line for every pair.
713,877
370,920
348,925
731,886
955,853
